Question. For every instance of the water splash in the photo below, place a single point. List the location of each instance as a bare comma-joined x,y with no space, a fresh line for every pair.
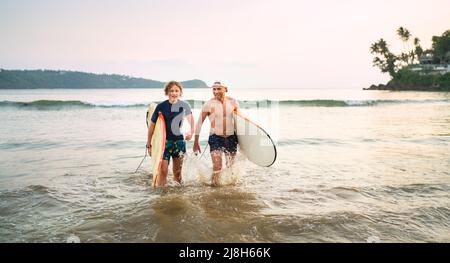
197,170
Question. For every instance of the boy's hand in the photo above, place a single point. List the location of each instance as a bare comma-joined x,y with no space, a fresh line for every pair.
188,136
149,150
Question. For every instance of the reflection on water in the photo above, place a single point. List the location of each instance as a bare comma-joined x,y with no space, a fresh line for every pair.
343,174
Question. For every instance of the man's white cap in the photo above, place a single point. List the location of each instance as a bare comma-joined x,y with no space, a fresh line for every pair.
218,84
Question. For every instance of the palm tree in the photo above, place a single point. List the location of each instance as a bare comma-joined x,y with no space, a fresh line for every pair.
379,47
404,57
383,46
404,35
412,54
374,48
418,51
387,62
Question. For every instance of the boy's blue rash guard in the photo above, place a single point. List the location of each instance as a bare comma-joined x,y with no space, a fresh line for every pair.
173,116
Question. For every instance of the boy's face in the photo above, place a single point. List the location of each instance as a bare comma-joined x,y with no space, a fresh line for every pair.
174,93
219,92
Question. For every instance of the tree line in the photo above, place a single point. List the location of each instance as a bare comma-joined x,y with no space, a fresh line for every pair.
58,79
391,63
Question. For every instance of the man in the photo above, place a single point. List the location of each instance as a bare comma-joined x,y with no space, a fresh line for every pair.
222,138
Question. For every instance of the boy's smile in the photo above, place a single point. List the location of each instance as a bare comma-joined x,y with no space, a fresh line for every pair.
174,93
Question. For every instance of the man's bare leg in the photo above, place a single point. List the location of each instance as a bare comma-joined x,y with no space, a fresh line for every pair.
216,157
230,158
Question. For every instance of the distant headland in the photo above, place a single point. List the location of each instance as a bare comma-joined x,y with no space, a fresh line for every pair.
414,68
62,79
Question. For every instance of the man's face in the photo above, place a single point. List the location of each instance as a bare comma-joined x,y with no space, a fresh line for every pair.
219,92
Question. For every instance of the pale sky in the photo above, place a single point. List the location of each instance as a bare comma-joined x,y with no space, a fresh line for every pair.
244,43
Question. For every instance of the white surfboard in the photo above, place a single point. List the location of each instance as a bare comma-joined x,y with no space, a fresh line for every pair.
158,141
254,142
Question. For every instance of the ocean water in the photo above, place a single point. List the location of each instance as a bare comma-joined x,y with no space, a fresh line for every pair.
352,166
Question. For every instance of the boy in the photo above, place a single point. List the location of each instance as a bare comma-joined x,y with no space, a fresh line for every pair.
174,111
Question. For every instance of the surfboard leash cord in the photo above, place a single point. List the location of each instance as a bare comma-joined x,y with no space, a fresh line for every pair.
142,160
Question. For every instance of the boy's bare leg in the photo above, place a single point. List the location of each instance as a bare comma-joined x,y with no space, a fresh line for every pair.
216,157
162,177
177,165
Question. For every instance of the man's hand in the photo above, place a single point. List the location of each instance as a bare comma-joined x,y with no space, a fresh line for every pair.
196,148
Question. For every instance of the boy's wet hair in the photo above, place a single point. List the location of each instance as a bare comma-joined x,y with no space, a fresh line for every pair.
170,84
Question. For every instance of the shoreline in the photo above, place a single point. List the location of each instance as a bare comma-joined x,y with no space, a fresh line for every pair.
398,86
